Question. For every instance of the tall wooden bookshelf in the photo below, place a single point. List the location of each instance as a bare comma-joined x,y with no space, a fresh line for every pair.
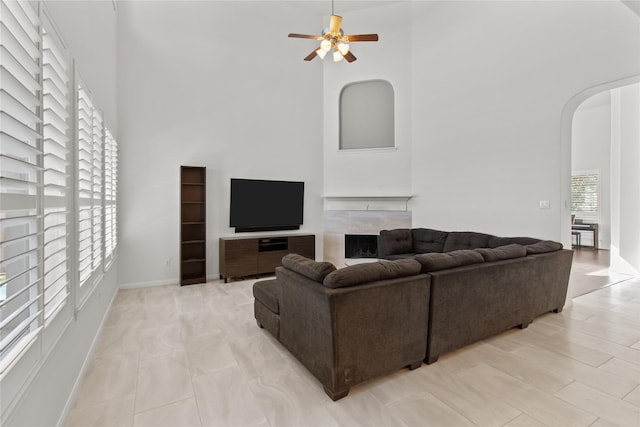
193,241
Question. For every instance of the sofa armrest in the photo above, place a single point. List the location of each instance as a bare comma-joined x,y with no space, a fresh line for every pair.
348,335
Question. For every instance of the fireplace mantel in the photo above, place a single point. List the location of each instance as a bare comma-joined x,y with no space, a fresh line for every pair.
366,203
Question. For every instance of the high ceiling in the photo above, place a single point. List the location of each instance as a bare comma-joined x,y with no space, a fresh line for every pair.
322,8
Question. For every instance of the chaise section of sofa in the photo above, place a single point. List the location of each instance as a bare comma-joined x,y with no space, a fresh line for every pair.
358,323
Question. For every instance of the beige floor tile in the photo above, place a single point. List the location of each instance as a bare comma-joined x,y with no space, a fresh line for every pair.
633,397
256,355
193,324
163,380
622,368
108,378
225,399
159,315
118,339
524,420
593,377
208,353
415,410
123,315
360,409
397,386
600,404
116,412
288,400
183,414
544,407
465,397
573,350
160,341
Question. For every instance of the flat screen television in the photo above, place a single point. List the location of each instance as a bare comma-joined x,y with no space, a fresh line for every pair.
263,205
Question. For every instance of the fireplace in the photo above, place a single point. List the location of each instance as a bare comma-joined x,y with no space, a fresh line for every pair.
360,245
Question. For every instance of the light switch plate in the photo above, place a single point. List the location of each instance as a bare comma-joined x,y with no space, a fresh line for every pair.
544,204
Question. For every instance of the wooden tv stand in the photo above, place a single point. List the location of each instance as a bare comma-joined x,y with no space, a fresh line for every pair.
252,256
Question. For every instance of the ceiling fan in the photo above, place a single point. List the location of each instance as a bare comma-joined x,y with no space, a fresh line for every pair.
333,38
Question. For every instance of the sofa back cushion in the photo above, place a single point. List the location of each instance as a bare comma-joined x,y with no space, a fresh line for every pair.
457,240
441,261
426,240
398,241
495,241
502,252
314,270
370,272
543,247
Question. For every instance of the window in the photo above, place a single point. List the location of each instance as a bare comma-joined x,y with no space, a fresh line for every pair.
585,192
367,115
110,194
20,181
46,227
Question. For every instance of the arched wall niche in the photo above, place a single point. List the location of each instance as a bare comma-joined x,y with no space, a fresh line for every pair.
367,115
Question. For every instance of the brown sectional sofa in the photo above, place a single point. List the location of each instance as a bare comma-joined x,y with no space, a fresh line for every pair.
436,292
349,325
481,285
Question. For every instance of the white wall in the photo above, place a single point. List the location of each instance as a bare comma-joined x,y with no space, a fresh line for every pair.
89,30
591,152
377,172
489,83
625,137
215,84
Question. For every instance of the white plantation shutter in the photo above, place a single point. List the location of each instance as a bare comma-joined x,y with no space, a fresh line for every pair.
85,183
96,195
21,174
110,194
56,103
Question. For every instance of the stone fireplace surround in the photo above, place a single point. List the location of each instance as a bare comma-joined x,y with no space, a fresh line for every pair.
360,216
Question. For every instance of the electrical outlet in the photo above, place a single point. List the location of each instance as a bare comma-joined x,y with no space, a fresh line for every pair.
544,204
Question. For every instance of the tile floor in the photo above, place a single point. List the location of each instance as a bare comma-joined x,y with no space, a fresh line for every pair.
193,356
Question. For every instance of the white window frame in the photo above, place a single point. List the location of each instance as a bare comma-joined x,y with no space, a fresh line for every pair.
42,157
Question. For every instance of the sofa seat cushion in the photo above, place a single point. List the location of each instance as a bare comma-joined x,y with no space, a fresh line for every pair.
309,268
457,240
543,247
371,272
426,240
268,293
442,261
398,241
502,252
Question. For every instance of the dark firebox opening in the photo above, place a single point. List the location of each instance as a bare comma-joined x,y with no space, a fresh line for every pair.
361,246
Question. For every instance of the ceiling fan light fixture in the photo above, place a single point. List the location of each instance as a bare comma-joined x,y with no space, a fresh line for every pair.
343,48
325,45
321,53
337,56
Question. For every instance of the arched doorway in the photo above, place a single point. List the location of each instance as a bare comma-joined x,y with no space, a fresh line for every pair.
600,143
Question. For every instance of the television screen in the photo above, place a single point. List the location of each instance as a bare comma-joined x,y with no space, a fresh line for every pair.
262,205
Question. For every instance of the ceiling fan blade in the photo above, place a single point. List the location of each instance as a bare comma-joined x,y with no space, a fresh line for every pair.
362,38
350,57
312,55
335,23
305,36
